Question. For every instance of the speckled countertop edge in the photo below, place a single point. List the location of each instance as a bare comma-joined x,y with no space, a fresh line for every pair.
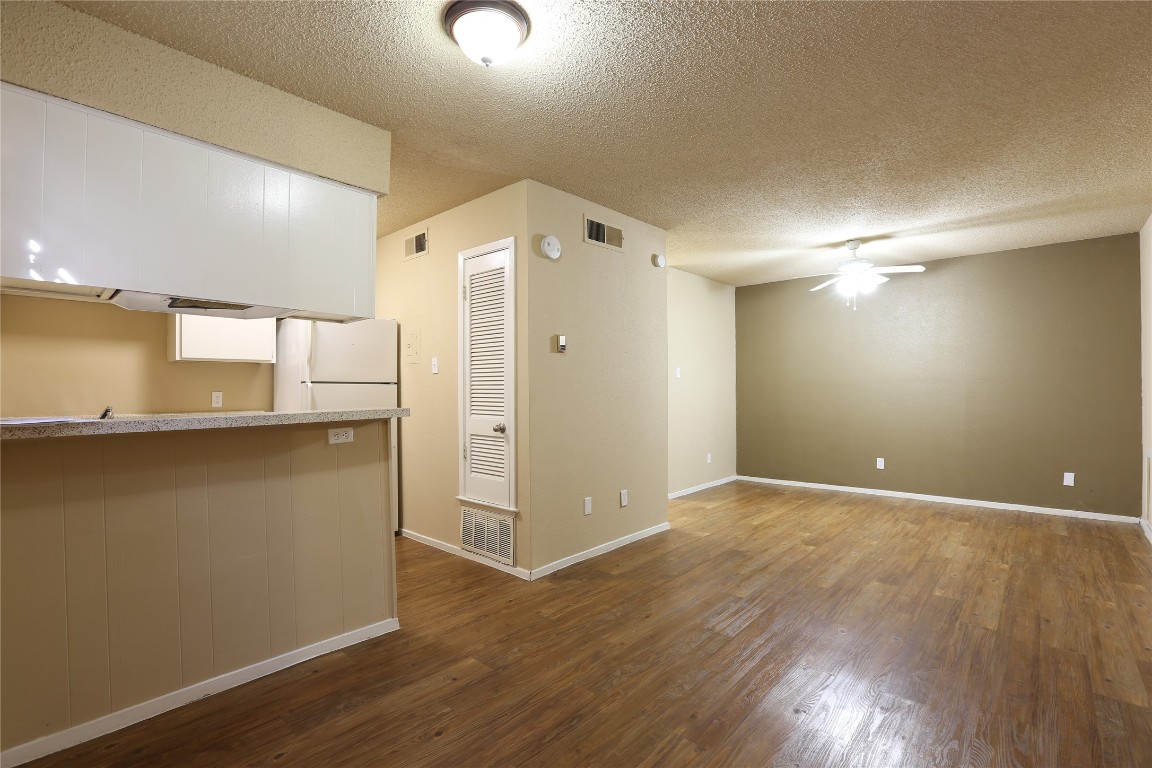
175,422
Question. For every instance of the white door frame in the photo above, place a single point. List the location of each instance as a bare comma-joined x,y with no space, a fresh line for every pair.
508,243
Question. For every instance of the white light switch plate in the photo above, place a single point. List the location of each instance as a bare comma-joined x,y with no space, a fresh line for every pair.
587,505
435,365
624,497
1069,478
879,463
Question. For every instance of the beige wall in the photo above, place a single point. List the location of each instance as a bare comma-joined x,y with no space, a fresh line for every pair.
591,422
986,377
53,49
1146,362
422,295
702,402
73,358
599,413
137,565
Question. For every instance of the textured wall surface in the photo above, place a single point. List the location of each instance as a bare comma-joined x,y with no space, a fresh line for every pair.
702,402
986,377
423,295
110,69
590,422
72,358
137,565
760,135
599,412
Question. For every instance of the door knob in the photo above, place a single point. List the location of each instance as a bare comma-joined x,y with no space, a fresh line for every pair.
499,428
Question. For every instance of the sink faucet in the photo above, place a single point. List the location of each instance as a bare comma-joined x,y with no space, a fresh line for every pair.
107,413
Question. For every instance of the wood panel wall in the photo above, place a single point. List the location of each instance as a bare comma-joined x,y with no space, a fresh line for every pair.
137,565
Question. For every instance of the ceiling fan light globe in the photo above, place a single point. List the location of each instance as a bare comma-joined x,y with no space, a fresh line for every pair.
847,287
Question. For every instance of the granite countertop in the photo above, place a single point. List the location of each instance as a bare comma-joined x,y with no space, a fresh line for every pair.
69,426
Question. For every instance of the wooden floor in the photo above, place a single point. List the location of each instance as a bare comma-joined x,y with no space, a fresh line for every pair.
770,626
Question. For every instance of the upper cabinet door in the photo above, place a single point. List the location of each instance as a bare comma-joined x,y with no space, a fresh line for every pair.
21,184
174,215
274,248
317,274
235,228
65,139
112,169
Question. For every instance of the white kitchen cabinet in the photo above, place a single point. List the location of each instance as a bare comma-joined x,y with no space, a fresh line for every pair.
221,339
274,250
112,168
314,263
233,256
173,215
97,200
21,182
65,140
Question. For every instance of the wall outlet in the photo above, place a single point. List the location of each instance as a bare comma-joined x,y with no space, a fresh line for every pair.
217,399
677,371
624,497
587,505
435,365
879,463
708,458
1069,478
340,435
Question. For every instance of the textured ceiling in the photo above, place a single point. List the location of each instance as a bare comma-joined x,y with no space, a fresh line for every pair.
761,135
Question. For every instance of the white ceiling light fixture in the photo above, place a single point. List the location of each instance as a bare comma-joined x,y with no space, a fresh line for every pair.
488,31
859,275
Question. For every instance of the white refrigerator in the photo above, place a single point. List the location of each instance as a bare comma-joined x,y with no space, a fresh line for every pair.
323,366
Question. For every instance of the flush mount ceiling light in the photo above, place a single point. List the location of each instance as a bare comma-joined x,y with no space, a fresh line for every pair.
488,31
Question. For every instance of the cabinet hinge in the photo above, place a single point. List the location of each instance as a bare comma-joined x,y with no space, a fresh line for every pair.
465,292
465,453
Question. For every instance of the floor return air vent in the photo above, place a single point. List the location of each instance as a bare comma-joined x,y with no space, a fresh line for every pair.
487,534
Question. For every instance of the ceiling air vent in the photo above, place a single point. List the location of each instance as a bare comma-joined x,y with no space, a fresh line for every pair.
415,246
599,233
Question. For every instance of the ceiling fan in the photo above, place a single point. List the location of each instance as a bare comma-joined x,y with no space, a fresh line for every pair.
860,275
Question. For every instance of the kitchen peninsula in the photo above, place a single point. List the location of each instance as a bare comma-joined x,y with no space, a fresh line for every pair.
150,561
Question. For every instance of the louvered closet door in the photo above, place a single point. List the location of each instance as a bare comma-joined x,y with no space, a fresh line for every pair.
488,432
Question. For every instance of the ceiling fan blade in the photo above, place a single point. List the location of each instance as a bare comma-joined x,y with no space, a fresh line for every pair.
827,283
894,270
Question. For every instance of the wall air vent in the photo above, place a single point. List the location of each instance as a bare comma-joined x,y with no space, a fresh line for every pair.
599,233
415,246
487,534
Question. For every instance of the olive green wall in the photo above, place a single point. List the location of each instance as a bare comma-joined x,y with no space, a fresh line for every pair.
986,377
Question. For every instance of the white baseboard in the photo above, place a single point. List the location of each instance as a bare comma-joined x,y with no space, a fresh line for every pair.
615,544
949,500
1147,528
78,734
543,570
444,546
701,487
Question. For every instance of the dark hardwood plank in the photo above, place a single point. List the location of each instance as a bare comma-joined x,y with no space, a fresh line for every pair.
770,626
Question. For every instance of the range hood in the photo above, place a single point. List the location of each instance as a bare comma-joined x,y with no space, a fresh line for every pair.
159,302
139,300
